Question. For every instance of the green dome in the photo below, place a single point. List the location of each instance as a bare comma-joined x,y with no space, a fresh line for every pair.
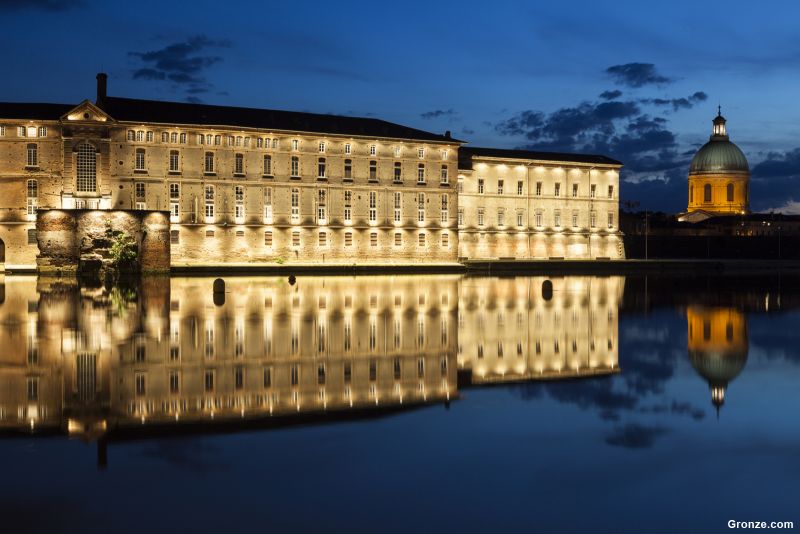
719,155
718,367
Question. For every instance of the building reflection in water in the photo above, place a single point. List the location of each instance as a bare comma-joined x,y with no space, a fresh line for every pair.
169,355
718,346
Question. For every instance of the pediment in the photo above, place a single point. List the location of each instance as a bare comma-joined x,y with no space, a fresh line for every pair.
86,112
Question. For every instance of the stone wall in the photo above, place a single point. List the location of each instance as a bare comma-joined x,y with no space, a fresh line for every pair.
69,239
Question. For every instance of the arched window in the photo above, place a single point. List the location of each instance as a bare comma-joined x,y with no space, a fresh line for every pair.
33,155
730,192
707,193
691,193
86,168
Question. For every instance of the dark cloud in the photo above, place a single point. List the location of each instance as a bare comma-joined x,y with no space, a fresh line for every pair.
678,103
636,75
467,131
775,182
635,436
435,114
42,5
611,95
181,64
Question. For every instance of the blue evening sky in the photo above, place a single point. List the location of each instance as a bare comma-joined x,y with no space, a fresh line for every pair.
505,74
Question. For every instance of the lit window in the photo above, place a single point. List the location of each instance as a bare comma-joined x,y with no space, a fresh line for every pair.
209,204
373,205
501,217
593,219
149,137
348,206
421,207
421,152
321,168
461,216
295,205
322,216
347,148
557,219
268,205
2,130
397,206
574,219
42,131
209,163
520,218
539,218
373,150
174,202
519,187
238,192
445,209
480,216
140,190
173,137
86,168
398,151
322,146
32,197
444,155
421,173
183,139
238,164
480,186
295,144
131,135
444,178
557,191
217,140
33,155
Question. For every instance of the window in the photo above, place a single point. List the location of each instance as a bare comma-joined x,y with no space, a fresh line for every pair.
174,161
691,193
140,160
32,197
295,239
348,206
610,191
295,170
480,216
539,218
238,192
501,217
729,190
131,135
174,382
347,149
183,138
397,206
348,169
421,207
480,186
574,190
295,205
373,239
42,131
323,239
557,191
275,143
593,219
321,168
348,239
444,179
268,205
519,187
445,240
421,173
322,216
140,189
373,205
209,381
538,189
33,155
557,219
421,239
499,187
267,165
268,238
461,216
209,163
139,384
373,150
611,220
707,193
238,164
421,152
173,137
520,218
209,209
593,191
22,132
322,146
574,219
149,137
32,236
398,239
398,151
174,237
217,140
86,168
445,209
295,145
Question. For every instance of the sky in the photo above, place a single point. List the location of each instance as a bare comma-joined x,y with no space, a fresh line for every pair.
635,80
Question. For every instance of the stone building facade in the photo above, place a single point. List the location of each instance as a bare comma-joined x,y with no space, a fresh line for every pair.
253,187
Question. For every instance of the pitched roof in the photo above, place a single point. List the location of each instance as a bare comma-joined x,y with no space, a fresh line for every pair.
135,110
465,155
33,111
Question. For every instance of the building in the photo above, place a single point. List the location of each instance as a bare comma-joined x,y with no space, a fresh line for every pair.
520,204
257,187
719,177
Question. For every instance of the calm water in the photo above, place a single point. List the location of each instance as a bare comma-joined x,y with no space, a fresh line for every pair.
400,403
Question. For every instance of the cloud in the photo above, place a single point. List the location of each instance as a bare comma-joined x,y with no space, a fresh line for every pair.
635,436
182,64
467,131
435,114
611,95
41,5
775,182
678,103
636,75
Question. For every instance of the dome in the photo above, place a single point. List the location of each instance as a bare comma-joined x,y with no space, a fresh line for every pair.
719,155
718,367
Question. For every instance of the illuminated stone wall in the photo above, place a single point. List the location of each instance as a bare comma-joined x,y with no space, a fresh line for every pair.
719,201
66,238
539,214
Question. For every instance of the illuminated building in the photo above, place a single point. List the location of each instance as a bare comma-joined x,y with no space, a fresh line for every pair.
259,187
718,347
719,178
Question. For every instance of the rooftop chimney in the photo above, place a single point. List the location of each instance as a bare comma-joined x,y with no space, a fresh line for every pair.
447,134
102,87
